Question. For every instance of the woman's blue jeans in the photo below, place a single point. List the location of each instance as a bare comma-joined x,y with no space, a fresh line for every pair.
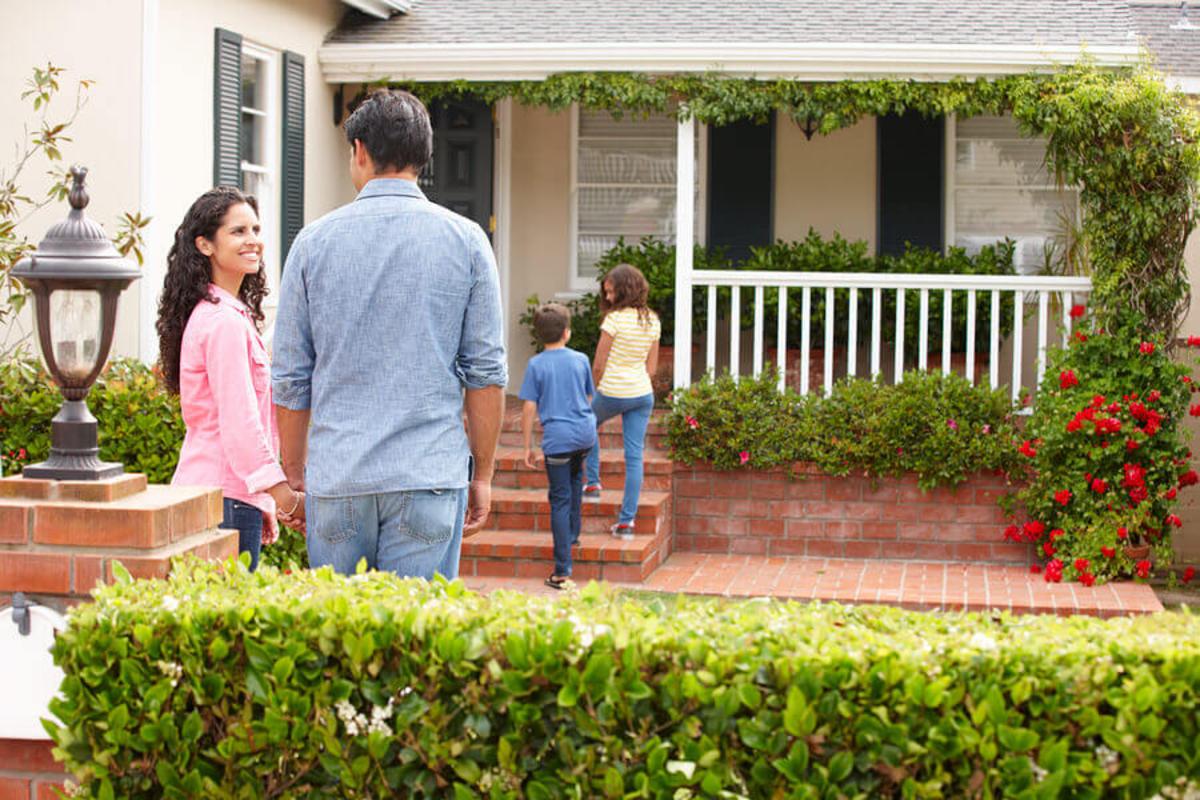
247,520
565,472
635,418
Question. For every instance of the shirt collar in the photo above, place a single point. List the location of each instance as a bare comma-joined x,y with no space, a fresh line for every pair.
378,187
225,298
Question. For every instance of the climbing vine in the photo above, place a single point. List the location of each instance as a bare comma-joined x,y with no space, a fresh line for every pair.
1130,144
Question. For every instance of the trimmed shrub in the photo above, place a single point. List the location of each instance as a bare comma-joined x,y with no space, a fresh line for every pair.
218,683
940,427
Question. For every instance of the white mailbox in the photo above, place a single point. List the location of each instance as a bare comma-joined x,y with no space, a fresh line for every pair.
28,677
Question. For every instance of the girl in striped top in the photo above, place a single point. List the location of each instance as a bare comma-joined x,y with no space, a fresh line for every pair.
626,357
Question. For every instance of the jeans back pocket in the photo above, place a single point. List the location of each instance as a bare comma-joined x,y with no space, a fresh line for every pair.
429,515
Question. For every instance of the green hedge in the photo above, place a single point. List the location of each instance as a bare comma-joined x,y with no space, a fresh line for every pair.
222,684
940,427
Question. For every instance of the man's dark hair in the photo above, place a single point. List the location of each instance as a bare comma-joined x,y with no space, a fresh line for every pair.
394,127
550,321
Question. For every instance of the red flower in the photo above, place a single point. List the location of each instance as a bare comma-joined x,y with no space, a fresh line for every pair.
1131,445
1034,530
1138,494
1012,534
1143,568
1080,336
1099,486
1146,348
1195,410
1057,532
1098,401
1074,425
744,456
1081,564
1067,379
1154,396
1170,495
693,423
21,454
1188,574
1189,478
1036,569
1048,549
1194,341
1122,533
1054,569
1108,552
1027,449
1172,519
1063,496
1078,311
1135,475
1087,578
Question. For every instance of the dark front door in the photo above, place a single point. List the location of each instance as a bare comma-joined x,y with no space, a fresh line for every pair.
460,177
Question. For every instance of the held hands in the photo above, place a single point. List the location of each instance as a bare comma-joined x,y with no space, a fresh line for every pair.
293,515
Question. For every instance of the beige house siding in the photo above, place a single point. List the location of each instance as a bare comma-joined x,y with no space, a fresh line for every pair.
1187,540
826,183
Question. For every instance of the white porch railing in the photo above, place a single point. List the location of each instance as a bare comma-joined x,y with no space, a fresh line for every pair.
798,287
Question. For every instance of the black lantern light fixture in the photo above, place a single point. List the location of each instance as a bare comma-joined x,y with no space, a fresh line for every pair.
76,276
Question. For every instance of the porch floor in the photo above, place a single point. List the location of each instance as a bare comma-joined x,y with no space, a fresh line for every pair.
913,585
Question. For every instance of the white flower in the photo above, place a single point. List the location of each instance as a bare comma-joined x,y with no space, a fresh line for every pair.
981,641
169,602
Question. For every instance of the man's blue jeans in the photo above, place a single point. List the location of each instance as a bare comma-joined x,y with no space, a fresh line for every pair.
565,472
413,534
635,418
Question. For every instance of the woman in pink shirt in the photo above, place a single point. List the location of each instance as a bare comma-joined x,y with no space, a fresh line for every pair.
213,356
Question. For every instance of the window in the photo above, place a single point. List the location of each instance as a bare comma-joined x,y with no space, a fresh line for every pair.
623,185
1001,187
258,136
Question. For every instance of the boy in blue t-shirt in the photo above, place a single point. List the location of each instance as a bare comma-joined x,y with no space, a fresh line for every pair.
558,387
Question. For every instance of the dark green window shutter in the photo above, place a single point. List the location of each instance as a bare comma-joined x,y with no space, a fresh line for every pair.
292,162
227,108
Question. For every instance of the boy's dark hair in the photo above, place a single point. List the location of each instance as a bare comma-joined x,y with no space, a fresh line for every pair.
550,321
394,127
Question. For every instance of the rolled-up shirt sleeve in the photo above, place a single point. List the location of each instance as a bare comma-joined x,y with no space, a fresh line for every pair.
294,355
244,440
481,357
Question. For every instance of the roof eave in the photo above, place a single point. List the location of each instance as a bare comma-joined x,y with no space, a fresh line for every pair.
352,63
380,9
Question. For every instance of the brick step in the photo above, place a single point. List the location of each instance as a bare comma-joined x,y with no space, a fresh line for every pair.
599,556
529,510
609,438
610,431
511,471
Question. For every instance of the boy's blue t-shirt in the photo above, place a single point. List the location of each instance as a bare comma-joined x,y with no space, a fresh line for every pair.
560,382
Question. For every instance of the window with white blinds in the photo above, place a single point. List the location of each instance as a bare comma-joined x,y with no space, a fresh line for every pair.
624,184
1002,187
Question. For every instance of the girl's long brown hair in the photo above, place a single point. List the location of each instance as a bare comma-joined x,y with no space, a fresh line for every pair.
630,290
189,272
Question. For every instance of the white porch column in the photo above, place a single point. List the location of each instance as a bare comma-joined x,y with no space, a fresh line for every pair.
685,216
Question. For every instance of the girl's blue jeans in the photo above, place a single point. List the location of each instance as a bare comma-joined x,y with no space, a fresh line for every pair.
635,418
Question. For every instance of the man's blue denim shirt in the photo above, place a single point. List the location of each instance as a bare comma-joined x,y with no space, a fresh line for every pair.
389,308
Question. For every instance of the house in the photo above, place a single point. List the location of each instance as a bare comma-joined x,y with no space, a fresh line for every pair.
189,93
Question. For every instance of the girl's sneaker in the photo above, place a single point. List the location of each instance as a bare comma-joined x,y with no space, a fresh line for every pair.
622,530
591,491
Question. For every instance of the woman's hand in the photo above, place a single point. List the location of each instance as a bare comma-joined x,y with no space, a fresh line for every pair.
289,506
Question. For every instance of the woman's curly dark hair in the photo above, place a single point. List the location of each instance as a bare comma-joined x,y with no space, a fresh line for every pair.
189,273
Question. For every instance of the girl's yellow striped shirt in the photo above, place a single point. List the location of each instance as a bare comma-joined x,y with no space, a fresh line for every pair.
625,372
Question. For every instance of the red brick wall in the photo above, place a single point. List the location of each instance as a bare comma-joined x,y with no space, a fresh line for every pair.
770,513
28,771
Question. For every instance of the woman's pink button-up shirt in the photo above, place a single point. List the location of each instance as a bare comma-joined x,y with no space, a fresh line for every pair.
225,395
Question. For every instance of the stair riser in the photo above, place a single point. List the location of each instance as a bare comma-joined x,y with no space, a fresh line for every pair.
902,551
581,571
644,524
527,479
607,439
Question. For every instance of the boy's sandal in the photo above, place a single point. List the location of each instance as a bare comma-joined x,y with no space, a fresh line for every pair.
557,581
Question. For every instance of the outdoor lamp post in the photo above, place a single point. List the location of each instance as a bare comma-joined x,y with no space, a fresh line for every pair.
76,276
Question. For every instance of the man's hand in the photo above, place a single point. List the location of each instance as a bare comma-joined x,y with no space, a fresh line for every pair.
479,505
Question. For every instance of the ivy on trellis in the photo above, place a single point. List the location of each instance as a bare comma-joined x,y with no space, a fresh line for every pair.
1130,144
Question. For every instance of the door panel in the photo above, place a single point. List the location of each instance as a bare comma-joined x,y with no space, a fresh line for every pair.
460,175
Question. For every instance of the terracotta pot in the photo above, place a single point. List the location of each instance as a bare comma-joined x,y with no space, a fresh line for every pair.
1137,552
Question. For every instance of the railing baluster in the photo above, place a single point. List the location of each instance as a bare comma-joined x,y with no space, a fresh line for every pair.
923,325
735,332
1018,312
971,335
710,345
1043,319
1067,302
994,350
758,330
876,328
852,348
899,376
805,321
830,309
781,339
947,311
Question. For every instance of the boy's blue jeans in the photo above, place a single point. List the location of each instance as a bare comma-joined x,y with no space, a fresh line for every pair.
635,418
565,471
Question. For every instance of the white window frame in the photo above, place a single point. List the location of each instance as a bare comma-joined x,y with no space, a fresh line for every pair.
578,285
268,197
949,189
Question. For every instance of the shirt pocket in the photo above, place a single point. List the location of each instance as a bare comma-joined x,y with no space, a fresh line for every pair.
260,369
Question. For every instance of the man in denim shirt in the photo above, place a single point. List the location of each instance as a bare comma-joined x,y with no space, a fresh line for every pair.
389,310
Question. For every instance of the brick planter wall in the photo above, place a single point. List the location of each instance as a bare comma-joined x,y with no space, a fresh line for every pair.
766,512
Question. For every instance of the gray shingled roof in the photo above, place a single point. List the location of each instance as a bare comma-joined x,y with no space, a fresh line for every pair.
1176,51
1017,22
